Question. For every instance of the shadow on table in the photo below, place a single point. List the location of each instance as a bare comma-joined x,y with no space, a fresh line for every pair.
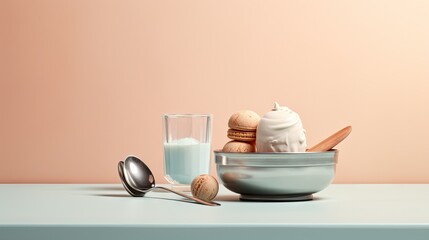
184,200
146,197
236,198
316,198
111,195
105,191
105,188
220,199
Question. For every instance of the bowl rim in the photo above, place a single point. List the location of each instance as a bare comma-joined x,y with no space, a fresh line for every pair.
220,151
276,159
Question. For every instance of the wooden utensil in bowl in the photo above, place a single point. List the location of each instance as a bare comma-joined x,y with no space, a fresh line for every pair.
331,141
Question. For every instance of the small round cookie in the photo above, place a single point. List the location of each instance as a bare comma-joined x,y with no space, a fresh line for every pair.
204,187
236,146
244,120
241,135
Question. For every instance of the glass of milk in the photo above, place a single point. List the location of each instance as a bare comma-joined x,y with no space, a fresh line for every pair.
187,147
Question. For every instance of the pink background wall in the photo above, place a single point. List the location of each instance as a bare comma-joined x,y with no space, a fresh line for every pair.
84,83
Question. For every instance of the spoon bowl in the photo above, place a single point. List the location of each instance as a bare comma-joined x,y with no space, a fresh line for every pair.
137,174
127,187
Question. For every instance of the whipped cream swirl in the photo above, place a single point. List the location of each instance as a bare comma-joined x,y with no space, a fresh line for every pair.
280,130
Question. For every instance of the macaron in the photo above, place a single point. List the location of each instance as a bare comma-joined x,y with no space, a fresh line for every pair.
236,146
241,135
205,187
244,120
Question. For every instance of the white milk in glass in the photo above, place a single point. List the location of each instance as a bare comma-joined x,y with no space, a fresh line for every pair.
185,159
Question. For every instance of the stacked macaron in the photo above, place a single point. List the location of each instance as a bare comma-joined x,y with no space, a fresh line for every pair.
242,130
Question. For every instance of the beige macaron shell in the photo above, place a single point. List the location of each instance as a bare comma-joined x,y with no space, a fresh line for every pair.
236,146
241,135
244,120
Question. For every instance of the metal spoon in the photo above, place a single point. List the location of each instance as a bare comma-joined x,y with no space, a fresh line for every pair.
140,178
127,187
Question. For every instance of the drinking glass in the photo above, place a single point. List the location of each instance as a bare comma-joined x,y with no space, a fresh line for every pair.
187,147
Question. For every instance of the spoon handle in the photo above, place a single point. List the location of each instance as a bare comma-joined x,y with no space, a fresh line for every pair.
331,141
189,197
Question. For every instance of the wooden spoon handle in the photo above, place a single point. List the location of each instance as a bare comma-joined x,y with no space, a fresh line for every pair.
331,141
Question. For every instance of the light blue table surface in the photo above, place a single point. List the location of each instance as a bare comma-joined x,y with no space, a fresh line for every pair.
105,211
